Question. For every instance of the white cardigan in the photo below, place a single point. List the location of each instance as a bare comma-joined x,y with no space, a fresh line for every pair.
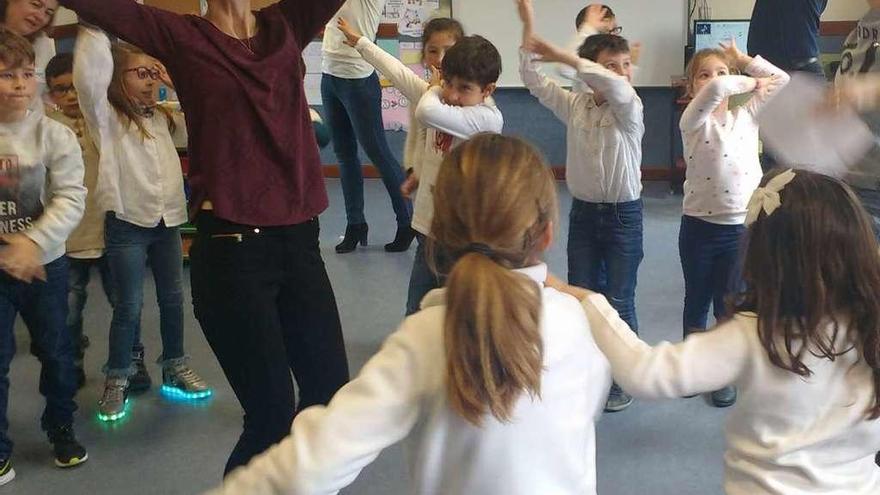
787,434
548,448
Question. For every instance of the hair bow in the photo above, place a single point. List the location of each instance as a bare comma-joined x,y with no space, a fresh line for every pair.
767,198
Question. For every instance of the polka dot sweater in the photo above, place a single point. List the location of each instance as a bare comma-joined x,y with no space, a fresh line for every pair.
721,149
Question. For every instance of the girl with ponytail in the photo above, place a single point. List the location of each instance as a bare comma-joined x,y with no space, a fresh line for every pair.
496,382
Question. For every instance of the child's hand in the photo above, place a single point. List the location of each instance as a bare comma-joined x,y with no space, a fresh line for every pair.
597,18
733,53
635,52
548,52
861,94
409,186
21,258
526,11
352,35
436,77
163,75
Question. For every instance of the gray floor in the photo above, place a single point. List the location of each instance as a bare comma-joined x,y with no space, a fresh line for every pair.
671,447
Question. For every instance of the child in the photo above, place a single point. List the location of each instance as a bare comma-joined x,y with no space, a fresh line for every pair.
496,382
605,129
451,112
721,150
41,183
802,348
140,185
860,57
85,246
591,20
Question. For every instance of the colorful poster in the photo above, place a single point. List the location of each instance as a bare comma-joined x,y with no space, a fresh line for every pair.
391,13
414,16
395,110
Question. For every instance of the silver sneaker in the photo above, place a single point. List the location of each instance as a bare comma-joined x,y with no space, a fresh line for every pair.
183,383
112,405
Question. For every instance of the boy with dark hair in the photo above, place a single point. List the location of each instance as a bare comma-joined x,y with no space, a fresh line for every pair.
603,165
41,201
454,106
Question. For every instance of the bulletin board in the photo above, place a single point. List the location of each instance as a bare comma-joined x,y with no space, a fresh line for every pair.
400,34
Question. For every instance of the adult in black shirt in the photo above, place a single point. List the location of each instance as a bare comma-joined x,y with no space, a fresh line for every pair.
786,32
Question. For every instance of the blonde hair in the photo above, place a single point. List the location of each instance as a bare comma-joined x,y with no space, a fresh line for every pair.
494,200
697,61
122,102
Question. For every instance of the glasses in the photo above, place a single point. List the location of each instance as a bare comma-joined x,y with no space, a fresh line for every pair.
62,89
617,30
145,72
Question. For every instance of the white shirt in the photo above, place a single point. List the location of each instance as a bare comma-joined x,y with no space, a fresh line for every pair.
44,50
787,434
721,152
41,182
569,73
548,447
341,60
440,127
604,142
140,179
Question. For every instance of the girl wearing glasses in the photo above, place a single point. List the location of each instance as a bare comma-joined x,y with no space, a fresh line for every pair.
140,185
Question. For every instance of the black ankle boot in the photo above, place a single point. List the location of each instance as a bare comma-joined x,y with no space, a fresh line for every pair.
354,234
402,241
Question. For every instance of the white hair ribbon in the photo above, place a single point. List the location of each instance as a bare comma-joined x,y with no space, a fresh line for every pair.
767,198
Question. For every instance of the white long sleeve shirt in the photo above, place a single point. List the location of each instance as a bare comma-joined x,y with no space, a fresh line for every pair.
341,60
547,448
721,151
41,182
569,73
604,142
440,127
44,50
787,434
140,179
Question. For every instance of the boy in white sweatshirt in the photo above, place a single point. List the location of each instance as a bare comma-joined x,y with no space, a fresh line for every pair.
603,165
42,198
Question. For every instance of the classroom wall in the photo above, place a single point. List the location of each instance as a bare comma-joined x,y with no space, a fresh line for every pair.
837,10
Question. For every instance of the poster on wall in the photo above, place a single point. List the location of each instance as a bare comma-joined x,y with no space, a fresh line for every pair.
414,16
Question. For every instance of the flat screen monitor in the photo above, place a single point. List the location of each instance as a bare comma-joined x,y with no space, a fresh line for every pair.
708,34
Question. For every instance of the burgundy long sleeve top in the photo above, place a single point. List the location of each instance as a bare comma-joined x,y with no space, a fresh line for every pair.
252,149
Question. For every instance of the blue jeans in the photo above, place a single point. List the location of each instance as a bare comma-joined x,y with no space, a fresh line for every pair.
353,109
422,279
871,201
128,247
605,250
43,307
710,257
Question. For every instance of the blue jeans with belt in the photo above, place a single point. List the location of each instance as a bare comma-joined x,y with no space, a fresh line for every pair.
353,109
605,251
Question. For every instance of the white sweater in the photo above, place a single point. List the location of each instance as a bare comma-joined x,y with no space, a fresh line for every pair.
721,151
604,156
41,182
787,434
140,179
548,448
440,127
339,59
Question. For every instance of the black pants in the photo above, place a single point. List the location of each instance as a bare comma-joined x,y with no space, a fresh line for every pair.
265,304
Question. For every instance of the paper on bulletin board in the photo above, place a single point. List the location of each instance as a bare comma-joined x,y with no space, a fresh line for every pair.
392,12
414,16
392,46
395,110
410,52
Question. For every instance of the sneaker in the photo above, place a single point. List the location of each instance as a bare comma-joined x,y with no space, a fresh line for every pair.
140,381
182,382
618,400
112,405
725,397
7,474
68,451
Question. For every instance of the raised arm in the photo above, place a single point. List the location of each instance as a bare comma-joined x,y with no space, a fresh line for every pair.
616,89
771,80
402,77
711,96
704,362
461,122
153,30
329,446
308,17
557,99
92,73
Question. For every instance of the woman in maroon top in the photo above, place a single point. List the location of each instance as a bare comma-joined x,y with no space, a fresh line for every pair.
260,290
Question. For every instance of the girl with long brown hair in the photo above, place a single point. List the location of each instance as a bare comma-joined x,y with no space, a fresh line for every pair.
803,347
140,186
496,381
